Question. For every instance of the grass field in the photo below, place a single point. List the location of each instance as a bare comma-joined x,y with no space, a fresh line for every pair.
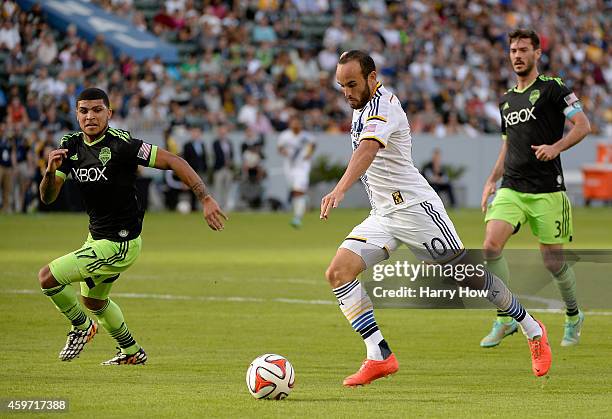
204,304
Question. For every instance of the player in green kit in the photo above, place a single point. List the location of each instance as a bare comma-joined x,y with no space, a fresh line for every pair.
532,188
104,161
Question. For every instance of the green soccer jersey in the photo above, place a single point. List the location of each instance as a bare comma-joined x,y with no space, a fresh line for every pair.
535,116
105,171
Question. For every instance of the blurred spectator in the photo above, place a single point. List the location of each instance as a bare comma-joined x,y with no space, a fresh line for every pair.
194,152
18,64
148,86
50,121
172,186
247,115
175,6
23,169
261,125
191,67
437,177
17,113
252,141
311,6
336,34
154,112
263,31
252,172
212,100
7,163
211,63
223,168
71,38
328,58
439,129
72,66
100,51
42,83
306,63
8,8
32,107
9,35
46,51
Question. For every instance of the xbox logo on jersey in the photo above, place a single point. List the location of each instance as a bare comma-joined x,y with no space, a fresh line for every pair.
93,174
523,115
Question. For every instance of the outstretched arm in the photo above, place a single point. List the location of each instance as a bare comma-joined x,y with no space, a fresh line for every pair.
212,213
359,163
51,184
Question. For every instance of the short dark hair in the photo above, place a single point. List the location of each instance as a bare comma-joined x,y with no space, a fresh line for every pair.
93,93
522,33
365,61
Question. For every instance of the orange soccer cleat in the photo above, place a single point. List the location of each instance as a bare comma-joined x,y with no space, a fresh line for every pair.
372,370
541,357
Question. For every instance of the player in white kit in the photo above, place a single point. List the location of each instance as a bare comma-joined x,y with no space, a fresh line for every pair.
405,209
297,147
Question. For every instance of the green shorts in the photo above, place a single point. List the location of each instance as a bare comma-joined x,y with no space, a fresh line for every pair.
549,214
96,265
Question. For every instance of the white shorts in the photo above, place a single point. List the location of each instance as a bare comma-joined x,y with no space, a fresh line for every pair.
424,228
298,178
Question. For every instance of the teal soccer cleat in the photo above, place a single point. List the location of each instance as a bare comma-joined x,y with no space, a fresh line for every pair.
499,331
571,334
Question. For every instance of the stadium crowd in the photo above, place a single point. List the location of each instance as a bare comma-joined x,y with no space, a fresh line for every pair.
251,64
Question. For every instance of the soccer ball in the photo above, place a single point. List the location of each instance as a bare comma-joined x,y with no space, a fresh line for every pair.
184,207
270,376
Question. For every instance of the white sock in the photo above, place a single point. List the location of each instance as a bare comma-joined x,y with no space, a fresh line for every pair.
373,350
299,206
530,327
357,308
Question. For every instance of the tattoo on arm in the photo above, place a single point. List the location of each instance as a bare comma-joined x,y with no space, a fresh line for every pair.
47,187
200,191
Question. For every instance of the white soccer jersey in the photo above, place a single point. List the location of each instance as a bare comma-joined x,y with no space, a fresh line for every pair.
391,182
297,147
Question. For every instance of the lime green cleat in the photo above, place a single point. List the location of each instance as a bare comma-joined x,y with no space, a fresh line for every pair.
498,333
571,334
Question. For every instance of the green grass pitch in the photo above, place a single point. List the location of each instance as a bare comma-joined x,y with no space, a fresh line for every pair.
204,304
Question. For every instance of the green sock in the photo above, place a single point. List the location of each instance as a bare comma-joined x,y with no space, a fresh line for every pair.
499,267
65,299
111,319
566,281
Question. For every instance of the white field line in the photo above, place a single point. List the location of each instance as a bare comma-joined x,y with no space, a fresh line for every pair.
192,298
236,299
15,275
